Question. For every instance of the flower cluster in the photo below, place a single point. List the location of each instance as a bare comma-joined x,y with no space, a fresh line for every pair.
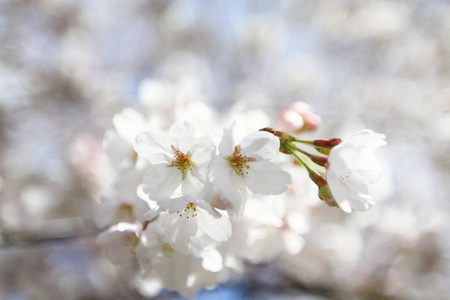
348,165
191,211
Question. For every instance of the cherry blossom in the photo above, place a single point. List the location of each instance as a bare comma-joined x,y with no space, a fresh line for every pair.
179,161
248,165
164,266
352,167
190,223
120,242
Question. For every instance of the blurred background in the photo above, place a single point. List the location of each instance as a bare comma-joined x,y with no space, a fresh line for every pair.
66,67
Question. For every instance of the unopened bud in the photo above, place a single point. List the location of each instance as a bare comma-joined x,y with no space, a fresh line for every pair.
320,160
300,107
317,179
310,119
290,121
327,144
334,142
326,196
324,189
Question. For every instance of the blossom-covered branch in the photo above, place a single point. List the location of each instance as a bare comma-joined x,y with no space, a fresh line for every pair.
192,212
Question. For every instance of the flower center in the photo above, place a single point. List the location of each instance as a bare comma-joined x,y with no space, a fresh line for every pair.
170,252
182,162
167,248
239,162
124,212
131,242
190,211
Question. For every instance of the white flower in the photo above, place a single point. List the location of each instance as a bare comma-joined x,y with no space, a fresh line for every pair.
120,201
118,142
352,167
247,166
180,162
120,242
270,227
163,266
187,222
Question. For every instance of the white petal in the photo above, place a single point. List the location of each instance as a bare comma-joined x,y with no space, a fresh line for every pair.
221,173
351,164
154,147
117,149
149,287
366,138
194,183
347,198
126,185
202,154
298,221
151,214
342,157
174,272
126,227
115,240
368,167
226,146
266,178
294,242
206,206
182,135
338,190
173,204
219,229
149,239
182,230
161,181
260,145
129,123
235,196
350,179
207,193
212,260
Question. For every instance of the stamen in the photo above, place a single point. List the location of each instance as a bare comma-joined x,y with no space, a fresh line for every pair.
238,161
190,211
342,177
181,161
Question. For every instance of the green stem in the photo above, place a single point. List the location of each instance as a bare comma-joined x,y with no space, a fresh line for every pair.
320,160
322,184
310,143
315,177
299,159
322,149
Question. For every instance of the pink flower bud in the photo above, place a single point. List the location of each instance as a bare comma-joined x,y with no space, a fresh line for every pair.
300,107
290,121
310,119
